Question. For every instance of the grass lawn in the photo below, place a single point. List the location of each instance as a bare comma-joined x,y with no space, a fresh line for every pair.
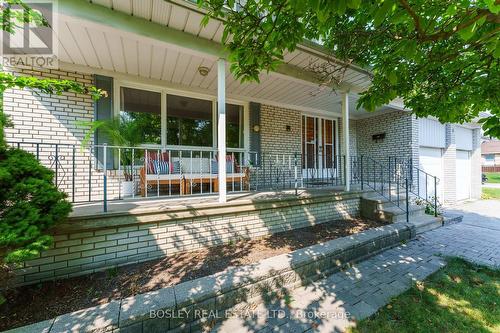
493,177
460,297
491,193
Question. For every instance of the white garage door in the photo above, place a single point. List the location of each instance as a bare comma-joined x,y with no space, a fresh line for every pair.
463,174
431,161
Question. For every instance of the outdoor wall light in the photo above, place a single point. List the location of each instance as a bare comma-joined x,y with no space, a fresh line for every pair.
203,70
256,128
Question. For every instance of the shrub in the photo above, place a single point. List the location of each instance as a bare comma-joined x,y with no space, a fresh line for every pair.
30,204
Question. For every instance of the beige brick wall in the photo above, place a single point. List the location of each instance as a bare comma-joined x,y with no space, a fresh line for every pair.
86,252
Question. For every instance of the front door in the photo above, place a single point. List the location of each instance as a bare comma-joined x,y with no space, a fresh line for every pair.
318,148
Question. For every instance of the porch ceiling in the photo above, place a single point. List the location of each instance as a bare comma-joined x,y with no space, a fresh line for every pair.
89,44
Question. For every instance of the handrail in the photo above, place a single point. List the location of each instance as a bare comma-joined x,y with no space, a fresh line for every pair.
370,172
415,172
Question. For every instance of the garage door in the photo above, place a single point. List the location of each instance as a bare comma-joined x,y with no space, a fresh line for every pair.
431,161
463,174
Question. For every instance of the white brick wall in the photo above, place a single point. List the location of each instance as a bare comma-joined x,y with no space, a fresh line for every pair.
275,139
449,166
50,120
476,187
401,136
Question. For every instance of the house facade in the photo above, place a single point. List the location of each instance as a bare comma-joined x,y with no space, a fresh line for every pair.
490,154
166,74
198,138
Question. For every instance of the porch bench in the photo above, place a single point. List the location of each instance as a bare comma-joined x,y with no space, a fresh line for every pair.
160,179
242,178
189,172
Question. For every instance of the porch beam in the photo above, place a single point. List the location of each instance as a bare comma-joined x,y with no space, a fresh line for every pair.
345,133
103,16
221,128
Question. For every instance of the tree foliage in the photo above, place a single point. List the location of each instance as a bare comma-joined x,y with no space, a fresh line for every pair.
440,56
31,204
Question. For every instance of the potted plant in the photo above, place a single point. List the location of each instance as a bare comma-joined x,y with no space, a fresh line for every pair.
120,131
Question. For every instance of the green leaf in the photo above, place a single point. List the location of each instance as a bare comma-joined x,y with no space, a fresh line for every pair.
496,53
468,32
342,7
393,77
382,12
451,10
353,4
204,21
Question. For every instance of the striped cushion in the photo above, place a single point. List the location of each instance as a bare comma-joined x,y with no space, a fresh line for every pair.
162,167
151,170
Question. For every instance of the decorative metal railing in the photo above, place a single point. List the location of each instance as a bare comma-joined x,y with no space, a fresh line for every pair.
422,185
381,178
105,172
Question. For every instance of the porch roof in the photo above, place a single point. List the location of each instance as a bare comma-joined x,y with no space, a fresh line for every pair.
162,43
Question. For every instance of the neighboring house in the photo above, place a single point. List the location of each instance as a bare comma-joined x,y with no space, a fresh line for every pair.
490,153
158,64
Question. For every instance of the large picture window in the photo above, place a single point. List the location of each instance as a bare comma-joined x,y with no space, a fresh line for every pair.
160,118
141,110
189,121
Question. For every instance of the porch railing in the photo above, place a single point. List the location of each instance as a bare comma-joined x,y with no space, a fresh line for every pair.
422,185
384,180
104,172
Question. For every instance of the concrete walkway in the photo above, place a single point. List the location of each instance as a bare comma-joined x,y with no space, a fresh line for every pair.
491,185
331,304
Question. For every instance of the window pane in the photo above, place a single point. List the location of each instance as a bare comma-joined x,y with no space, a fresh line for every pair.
189,121
140,111
234,126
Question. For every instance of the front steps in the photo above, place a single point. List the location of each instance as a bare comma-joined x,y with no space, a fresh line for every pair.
377,207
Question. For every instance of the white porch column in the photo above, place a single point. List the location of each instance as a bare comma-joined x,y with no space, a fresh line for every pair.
221,127
345,132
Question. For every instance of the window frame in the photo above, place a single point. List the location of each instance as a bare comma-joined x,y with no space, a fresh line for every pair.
118,84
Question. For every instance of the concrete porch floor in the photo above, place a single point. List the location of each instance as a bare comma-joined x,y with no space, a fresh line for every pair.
152,205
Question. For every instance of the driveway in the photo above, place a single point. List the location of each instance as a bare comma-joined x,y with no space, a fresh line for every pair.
328,305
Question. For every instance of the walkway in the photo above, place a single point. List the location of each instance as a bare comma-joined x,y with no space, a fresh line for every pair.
329,304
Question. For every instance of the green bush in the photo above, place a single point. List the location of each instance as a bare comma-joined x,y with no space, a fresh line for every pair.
30,204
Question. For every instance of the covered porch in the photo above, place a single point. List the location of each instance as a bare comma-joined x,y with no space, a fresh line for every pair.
202,132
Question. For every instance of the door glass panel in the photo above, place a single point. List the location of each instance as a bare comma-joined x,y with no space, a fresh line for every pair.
316,131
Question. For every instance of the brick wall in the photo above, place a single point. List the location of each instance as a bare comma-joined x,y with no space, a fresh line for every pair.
476,188
449,181
50,120
401,136
275,139
84,252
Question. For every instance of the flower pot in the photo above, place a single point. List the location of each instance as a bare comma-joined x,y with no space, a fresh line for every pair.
127,188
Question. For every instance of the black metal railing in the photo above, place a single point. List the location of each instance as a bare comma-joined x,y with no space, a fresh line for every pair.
422,185
294,171
105,172
385,181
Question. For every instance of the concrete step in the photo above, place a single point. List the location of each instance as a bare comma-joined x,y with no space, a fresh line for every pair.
396,214
426,223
